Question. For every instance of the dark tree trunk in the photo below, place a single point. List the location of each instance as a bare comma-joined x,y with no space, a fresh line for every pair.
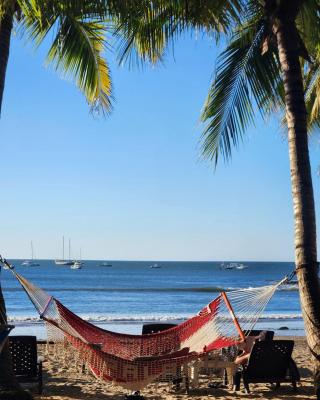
301,180
5,35
7,377
9,387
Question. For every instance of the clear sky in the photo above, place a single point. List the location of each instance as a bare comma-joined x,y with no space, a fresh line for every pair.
132,186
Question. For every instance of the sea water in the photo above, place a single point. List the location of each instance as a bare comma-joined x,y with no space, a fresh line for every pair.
130,293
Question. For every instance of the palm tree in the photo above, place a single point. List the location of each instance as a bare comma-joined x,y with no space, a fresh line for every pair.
78,28
261,69
76,51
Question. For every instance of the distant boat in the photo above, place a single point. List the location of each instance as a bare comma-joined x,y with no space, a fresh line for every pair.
63,261
232,265
155,266
76,265
32,262
241,266
105,264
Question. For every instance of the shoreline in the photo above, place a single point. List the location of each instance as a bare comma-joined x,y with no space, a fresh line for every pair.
37,328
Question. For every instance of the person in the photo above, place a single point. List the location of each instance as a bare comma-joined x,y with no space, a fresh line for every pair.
246,347
243,357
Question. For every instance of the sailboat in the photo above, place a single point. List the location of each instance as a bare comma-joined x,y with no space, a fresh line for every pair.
77,264
63,261
32,262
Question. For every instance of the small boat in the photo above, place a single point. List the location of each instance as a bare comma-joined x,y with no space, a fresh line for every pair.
230,266
155,266
32,262
241,266
63,261
105,264
76,265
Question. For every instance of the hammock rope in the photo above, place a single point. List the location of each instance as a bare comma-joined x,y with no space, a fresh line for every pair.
133,361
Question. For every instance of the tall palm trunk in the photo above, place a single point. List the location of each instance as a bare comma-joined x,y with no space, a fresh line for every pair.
7,377
301,181
5,35
9,387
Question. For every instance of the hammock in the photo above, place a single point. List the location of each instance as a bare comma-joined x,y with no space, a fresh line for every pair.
133,361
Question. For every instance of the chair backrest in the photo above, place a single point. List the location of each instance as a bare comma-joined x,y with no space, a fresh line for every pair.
4,333
23,351
270,359
254,332
155,328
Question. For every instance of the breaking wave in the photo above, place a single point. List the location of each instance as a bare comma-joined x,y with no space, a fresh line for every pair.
147,318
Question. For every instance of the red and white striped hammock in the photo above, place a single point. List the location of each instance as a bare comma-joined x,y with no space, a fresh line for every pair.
134,361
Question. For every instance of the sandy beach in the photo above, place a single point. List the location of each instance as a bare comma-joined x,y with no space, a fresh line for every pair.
68,384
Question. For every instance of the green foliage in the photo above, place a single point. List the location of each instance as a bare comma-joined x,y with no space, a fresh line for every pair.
78,31
148,28
247,80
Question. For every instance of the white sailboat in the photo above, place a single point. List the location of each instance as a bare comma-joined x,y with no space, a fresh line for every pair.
32,262
63,261
77,264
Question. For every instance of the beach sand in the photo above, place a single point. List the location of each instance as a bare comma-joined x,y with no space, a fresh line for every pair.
62,384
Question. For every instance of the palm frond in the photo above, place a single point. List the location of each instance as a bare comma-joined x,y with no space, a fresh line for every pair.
77,53
149,28
312,95
79,43
246,81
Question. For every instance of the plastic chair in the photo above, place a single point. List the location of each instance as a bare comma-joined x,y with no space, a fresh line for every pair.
26,365
271,362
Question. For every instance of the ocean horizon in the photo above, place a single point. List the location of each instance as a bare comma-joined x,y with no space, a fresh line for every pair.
130,293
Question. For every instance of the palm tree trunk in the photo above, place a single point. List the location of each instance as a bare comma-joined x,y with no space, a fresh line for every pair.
301,181
7,378
5,35
9,386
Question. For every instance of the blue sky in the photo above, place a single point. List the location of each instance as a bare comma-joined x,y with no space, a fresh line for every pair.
133,186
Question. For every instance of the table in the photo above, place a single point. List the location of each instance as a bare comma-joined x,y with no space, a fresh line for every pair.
216,362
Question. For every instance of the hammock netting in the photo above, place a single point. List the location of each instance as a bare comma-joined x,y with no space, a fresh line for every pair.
134,361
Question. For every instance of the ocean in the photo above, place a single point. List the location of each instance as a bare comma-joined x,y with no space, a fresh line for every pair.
123,297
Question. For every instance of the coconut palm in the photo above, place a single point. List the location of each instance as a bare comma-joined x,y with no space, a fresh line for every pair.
261,70
76,49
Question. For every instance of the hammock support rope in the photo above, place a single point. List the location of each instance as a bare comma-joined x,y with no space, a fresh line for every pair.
134,361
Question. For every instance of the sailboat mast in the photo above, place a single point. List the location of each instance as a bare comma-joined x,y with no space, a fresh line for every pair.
69,249
63,247
31,251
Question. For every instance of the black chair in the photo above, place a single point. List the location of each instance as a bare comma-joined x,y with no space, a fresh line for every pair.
271,362
230,353
155,328
26,365
4,333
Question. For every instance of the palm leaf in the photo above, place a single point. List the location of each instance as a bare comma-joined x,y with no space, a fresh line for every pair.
77,53
78,45
148,29
246,81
